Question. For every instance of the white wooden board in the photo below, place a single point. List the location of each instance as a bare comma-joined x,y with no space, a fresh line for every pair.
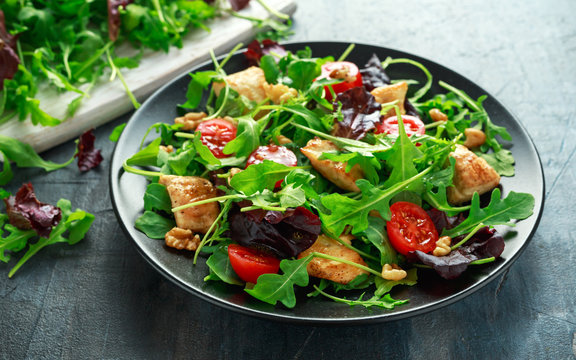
108,100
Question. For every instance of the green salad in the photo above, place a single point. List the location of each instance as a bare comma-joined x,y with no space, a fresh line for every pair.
320,176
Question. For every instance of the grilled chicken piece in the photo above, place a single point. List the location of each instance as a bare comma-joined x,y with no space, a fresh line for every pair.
389,93
332,170
187,189
471,174
279,93
249,83
331,269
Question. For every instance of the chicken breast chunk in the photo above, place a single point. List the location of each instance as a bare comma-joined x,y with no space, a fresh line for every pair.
471,174
389,93
186,189
330,269
248,83
332,170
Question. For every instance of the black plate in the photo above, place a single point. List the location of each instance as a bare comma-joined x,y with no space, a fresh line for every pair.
431,293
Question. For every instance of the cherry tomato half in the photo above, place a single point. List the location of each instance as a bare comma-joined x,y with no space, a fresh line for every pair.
342,70
216,133
412,125
278,154
410,228
249,264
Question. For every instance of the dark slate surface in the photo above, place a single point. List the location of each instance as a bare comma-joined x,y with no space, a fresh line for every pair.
100,299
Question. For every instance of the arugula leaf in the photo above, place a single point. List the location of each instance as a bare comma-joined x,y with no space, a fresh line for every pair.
115,135
385,301
24,156
498,212
200,81
401,159
147,156
439,200
270,67
502,161
220,267
247,137
257,177
291,197
15,241
154,225
376,234
300,73
384,286
6,174
303,180
272,288
156,198
206,155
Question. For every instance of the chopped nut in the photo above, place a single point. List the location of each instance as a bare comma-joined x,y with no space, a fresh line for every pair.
233,171
443,246
342,73
393,272
179,238
474,138
191,120
169,149
279,93
437,115
283,140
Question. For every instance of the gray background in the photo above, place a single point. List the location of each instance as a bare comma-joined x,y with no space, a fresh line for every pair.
100,299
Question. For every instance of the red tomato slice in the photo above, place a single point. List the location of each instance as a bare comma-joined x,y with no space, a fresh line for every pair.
278,154
216,133
412,125
249,264
342,70
410,228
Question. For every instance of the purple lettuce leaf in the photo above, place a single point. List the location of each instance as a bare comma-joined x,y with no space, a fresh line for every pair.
373,74
238,5
284,235
114,17
255,50
88,156
485,243
9,60
360,113
26,212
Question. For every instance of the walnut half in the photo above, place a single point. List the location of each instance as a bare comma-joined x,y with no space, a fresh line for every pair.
182,239
393,272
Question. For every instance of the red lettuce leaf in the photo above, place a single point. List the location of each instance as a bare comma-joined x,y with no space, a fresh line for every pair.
88,157
114,17
238,5
284,235
255,50
360,113
485,243
9,60
26,212
373,74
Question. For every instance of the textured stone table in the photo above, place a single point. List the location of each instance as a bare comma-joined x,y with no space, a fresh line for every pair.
100,299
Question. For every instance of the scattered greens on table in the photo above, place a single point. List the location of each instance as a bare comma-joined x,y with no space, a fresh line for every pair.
69,46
